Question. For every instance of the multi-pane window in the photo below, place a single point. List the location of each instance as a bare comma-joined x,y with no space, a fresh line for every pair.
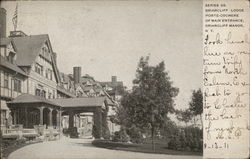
6,81
17,85
39,69
41,93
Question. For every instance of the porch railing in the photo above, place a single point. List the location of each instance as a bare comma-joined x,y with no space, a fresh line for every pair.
18,131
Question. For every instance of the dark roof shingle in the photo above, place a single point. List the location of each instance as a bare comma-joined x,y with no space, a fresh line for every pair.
11,66
28,98
28,48
80,102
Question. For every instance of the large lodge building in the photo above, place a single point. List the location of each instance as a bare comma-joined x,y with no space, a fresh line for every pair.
34,93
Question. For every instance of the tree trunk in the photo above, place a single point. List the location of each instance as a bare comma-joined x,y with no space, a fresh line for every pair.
152,135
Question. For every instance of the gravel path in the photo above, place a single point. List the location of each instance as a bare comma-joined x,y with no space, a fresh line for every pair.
81,149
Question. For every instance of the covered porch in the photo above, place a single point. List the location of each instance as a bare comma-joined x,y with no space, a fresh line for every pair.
34,114
73,107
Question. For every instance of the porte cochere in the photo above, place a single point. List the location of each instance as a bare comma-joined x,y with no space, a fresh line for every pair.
33,111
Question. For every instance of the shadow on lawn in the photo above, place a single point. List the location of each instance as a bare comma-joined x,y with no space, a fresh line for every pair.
81,144
145,148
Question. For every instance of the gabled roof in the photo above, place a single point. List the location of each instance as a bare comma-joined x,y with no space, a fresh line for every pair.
64,77
82,102
63,90
28,98
88,88
5,41
13,67
28,48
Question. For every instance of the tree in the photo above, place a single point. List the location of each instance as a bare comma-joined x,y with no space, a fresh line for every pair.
184,115
196,104
151,99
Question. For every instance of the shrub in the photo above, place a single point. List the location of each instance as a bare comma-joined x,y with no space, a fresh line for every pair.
121,136
73,132
188,139
11,142
174,143
95,132
135,134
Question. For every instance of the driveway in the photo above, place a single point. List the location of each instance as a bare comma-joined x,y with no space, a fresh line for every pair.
67,148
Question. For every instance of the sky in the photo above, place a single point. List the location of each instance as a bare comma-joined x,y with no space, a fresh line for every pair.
108,38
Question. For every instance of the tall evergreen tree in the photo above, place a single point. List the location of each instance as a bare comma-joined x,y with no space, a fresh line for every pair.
196,104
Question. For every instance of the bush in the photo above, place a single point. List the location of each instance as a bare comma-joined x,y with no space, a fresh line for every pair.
188,139
135,134
95,132
11,142
121,136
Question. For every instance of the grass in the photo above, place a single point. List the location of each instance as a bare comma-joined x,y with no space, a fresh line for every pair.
7,151
160,147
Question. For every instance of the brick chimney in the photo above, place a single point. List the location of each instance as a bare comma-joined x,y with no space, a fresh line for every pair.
77,74
2,22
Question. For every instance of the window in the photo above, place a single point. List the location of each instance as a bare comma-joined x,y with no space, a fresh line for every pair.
49,95
38,92
3,117
17,85
11,56
54,94
50,74
45,52
46,74
43,93
6,80
39,69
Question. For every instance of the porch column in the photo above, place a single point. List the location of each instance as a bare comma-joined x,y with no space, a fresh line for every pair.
98,123
26,116
50,117
71,119
80,121
14,116
41,115
58,118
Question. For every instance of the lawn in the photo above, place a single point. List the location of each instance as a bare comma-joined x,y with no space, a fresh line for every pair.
11,148
146,147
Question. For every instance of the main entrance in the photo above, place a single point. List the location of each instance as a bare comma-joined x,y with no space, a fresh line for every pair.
74,107
30,111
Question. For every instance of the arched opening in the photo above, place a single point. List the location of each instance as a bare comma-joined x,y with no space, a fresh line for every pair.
46,112
33,117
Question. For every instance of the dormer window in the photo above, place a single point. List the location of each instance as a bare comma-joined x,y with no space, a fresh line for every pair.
39,69
45,52
11,57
